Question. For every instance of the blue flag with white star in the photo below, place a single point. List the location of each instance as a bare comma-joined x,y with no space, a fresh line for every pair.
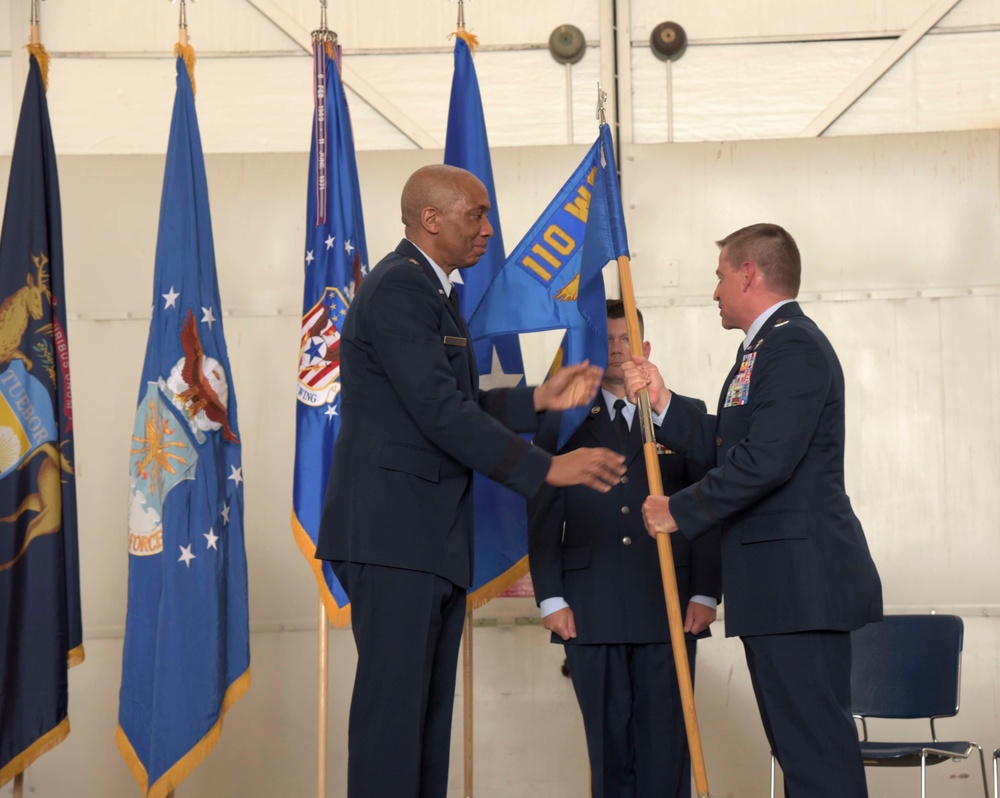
335,262
501,540
553,278
186,659
40,626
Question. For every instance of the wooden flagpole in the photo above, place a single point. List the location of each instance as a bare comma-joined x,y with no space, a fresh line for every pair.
663,544
467,699
323,700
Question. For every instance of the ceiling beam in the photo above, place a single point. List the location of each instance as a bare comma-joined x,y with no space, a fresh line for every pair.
379,102
878,68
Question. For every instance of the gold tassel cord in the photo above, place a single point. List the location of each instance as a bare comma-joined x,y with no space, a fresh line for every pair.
468,37
42,57
186,51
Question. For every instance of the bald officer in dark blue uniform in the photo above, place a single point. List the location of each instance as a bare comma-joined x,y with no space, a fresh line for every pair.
397,522
796,569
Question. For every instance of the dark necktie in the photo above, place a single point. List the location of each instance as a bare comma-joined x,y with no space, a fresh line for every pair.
453,298
620,424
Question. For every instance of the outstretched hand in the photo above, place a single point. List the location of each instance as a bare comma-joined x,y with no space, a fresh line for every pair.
571,386
600,469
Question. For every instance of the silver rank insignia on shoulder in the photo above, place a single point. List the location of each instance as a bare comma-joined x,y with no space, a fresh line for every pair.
781,322
414,261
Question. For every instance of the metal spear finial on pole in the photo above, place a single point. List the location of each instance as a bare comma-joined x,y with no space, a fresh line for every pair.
602,97
323,33
182,24
461,14
35,29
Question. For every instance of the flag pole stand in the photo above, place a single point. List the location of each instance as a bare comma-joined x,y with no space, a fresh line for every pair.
666,554
467,699
19,778
324,672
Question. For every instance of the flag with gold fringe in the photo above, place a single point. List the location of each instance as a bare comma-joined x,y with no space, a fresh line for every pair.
41,634
186,658
501,540
336,260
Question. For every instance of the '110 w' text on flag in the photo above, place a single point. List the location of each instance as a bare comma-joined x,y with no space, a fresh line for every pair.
553,278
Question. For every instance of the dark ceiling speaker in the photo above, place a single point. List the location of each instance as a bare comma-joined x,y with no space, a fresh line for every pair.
567,44
668,41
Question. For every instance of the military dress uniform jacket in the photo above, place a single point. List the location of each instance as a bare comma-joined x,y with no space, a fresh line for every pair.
794,555
414,425
592,548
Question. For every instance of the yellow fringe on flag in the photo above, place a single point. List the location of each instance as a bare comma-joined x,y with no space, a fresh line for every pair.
339,617
186,51
469,38
187,764
43,744
42,57
492,589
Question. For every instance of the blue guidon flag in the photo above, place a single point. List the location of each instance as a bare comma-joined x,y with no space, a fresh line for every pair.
40,627
553,278
187,647
336,261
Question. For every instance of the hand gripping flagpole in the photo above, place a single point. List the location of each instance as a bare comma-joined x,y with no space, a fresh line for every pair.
667,572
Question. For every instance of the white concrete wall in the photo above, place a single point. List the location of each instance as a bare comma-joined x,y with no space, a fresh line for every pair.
899,237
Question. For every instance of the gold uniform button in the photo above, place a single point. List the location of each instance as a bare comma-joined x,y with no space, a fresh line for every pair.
624,480
627,540
718,440
625,510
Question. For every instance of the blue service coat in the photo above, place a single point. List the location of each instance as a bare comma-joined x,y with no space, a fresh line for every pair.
414,426
592,548
794,555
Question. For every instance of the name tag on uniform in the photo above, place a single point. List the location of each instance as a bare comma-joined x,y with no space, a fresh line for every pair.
455,340
739,388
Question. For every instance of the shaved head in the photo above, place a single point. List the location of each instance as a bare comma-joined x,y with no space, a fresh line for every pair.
435,186
444,210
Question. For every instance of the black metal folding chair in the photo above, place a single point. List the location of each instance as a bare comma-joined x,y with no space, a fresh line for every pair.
906,667
909,666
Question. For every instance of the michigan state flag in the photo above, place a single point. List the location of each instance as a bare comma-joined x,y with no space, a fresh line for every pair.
336,260
40,629
187,651
552,280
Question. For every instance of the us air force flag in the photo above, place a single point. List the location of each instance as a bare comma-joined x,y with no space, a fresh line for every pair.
40,629
552,279
336,260
501,522
187,652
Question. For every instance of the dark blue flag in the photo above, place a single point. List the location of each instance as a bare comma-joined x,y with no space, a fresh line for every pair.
501,540
336,259
187,648
553,280
40,628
